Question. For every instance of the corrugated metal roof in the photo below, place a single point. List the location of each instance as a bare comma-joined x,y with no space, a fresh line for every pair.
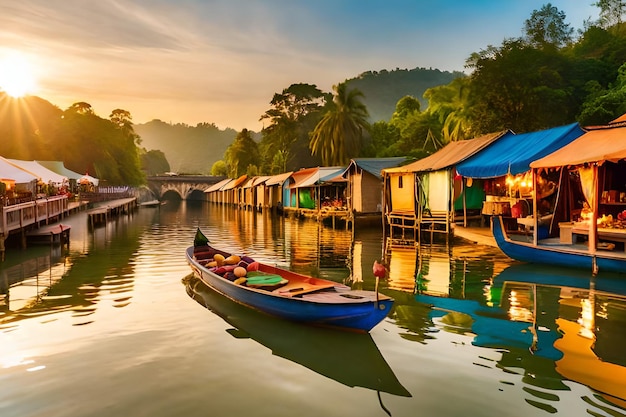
299,176
606,144
260,180
218,186
235,183
320,175
449,155
278,179
514,153
375,166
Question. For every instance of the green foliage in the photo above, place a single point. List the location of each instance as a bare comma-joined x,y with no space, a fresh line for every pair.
382,137
219,169
547,28
605,105
611,12
34,129
521,88
338,136
294,113
241,154
449,104
154,162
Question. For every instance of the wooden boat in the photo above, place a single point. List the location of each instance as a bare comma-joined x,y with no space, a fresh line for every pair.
553,253
287,294
351,359
151,203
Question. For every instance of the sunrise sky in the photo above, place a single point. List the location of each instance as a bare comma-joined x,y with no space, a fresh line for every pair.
221,61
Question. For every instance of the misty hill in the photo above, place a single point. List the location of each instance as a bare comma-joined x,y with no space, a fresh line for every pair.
194,149
383,89
188,149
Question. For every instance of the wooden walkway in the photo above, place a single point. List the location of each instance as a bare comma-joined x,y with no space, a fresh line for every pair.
103,213
52,234
478,235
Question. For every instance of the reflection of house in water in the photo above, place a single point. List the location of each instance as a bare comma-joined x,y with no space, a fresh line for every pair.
549,326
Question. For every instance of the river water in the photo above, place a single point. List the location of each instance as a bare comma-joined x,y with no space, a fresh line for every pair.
115,325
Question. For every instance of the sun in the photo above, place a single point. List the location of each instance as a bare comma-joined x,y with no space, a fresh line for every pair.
16,75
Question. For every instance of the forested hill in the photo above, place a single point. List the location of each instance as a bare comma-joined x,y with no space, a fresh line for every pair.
188,149
194,149
382,89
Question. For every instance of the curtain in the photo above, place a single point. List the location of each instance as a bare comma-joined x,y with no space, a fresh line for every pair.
587,183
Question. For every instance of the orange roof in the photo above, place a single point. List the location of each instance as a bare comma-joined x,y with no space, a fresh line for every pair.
599,145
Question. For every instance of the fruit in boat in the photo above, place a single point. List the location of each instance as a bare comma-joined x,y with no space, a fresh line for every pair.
232,260
254,266
219,258
240,271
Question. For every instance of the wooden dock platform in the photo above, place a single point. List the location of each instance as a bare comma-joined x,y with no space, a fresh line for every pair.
51,234
103,213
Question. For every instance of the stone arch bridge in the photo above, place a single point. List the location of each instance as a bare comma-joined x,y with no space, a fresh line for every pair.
187,187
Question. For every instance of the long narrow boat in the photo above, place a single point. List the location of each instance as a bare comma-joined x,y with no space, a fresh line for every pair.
352,359
287,294
556,254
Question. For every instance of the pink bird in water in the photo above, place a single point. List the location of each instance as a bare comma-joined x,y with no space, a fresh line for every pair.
379,270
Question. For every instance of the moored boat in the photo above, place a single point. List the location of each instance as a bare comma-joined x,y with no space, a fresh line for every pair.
284,293
352,359
554,253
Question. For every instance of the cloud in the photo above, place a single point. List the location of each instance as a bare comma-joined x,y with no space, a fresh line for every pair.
222,60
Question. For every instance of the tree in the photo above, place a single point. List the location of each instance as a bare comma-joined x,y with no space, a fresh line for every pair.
242,153
519,87
123,120
382,137
605,105
611,12
547,28
294,113
449,103
80,108
338,136
153,162
219,168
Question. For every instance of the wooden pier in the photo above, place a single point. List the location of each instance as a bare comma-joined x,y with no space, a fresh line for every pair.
101,214
53,234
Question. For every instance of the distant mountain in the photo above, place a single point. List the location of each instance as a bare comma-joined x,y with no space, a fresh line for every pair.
188,149
194,149
383,89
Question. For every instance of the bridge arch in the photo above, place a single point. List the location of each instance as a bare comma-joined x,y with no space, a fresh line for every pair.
187,187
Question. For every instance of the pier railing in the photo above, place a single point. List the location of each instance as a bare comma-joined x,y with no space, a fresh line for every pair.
38,211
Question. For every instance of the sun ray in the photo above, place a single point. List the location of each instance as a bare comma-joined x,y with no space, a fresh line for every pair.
16,75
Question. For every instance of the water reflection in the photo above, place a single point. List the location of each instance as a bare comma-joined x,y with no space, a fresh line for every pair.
36,284
542,336
550,326
349,358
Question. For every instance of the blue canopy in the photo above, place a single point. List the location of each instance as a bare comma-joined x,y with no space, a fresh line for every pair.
513,153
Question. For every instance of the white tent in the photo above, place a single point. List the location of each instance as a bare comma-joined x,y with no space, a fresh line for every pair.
42,173
86,179
59,168
8,171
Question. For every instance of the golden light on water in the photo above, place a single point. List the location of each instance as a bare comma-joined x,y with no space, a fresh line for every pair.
17,76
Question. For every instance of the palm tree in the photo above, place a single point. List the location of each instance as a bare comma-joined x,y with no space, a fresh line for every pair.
339,134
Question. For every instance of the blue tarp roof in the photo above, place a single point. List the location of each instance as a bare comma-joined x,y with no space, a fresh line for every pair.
514,153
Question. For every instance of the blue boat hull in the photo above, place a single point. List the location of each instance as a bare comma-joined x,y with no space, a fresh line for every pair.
527,252
359,316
